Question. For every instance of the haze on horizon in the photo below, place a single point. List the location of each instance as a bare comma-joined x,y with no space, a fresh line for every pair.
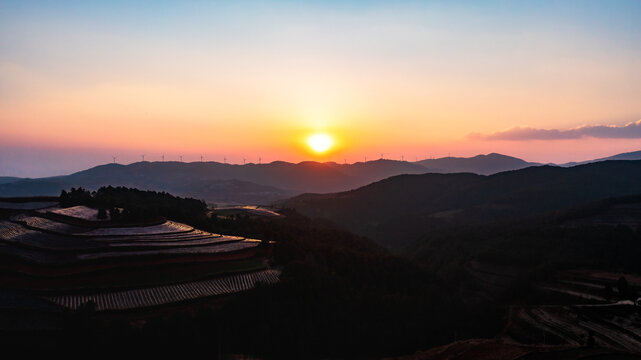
545,81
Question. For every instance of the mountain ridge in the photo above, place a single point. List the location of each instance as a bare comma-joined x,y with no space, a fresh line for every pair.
268,182
479,164
633,155
255,183
399,209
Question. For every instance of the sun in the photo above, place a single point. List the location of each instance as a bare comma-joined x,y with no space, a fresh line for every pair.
320,142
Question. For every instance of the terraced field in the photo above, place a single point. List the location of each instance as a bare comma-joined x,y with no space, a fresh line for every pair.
183,250
566,312
81,212
168,227
160,295
491,349
610,321
612,326
125,267
45,224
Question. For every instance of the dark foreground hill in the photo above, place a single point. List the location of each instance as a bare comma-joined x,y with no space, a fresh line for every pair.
341,296
529,285
396,211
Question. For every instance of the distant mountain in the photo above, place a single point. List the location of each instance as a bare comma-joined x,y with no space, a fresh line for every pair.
224,192
252,183
8,179
223,183
32,187
481,164
397,210
635,155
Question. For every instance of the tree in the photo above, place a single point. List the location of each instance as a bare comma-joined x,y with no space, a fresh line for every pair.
114,213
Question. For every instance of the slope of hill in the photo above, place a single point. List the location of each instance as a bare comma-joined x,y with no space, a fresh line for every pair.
218,191
480,164
397,210
252,183
216,182
634,155
8,179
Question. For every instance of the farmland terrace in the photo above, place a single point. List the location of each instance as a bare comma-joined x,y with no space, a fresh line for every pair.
121,267
572,314
582,306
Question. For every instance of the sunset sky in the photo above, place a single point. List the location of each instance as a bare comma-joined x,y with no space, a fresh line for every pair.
547,81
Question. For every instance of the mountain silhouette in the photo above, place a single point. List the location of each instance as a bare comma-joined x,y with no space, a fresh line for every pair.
8,179
217,182
257,183
396,210
635,155
480,164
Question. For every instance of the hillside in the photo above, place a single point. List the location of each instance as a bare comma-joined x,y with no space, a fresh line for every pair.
220,183
634,155
171,281
481,164
462,283
8,179
251,183
396,211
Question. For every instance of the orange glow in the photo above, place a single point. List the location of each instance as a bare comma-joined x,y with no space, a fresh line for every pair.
320,142
379,83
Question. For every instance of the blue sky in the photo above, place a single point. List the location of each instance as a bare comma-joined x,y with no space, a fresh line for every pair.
412,78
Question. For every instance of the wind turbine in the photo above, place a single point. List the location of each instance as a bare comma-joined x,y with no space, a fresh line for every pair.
114,158
244,161
181,158
143,158
225,160
201,158
163,157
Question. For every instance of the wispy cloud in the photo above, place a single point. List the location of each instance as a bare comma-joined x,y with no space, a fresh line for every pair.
630,130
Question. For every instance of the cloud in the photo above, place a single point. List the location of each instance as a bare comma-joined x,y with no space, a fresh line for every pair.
628,131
